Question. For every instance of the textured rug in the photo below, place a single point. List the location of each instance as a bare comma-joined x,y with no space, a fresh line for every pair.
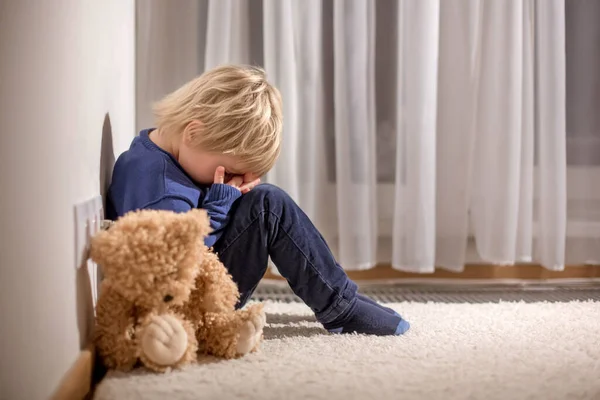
453,351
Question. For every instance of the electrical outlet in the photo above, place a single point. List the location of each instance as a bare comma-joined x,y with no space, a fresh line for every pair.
88,221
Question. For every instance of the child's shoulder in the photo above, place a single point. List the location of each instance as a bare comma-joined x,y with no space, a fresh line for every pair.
139,159
144,168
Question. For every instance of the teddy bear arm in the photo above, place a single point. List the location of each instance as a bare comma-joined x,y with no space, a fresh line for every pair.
234,334
220,293
114,331
166,340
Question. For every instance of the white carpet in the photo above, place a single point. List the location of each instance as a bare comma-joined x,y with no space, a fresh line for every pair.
505,351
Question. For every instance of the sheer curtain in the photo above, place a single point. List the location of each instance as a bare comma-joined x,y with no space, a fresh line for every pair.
421,133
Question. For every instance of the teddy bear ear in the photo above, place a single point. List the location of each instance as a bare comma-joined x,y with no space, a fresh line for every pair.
100,247
200,220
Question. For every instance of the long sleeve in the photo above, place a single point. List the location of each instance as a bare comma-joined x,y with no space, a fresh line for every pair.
217,202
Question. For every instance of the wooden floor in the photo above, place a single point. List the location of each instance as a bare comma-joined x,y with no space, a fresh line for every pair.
474,272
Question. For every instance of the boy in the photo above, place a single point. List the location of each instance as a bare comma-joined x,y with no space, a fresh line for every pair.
215,137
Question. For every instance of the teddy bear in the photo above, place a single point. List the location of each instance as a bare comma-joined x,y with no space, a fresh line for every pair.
165,297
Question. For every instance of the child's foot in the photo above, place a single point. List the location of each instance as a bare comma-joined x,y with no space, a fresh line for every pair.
368,318
369,300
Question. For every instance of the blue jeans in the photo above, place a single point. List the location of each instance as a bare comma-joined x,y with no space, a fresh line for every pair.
267,222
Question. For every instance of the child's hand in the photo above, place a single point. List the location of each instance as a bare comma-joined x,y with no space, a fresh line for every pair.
243,183
249,182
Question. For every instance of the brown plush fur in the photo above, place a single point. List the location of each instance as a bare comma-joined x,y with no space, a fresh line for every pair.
155,265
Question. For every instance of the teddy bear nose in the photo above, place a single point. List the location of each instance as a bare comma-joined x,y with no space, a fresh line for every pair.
168,298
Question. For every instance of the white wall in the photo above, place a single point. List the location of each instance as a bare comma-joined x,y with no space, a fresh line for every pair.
176,32
64,64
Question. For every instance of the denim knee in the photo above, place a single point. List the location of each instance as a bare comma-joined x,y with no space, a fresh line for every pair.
269,196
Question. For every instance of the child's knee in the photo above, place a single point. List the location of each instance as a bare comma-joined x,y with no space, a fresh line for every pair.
268,191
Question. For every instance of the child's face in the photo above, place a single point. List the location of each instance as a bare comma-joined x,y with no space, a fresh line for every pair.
201,165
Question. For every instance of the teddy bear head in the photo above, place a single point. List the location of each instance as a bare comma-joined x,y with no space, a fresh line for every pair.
152,257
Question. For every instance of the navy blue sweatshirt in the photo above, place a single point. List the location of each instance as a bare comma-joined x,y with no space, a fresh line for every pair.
147,177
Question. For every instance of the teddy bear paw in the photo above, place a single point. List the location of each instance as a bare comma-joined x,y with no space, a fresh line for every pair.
164,340
250,333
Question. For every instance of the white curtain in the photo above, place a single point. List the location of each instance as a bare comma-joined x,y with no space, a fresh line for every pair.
421,133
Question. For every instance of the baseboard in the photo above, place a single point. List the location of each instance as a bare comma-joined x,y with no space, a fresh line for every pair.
78,381
525,272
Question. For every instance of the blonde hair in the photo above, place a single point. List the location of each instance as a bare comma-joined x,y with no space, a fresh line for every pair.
239,111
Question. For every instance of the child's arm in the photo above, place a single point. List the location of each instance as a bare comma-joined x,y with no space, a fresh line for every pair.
220,197
217,202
